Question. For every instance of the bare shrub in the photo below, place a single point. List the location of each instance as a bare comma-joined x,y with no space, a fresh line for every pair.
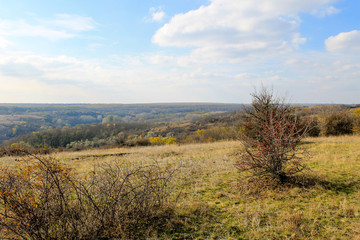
44,200
271,139
311,125
15,150
314,127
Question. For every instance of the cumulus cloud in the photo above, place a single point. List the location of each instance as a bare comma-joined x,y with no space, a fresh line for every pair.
157,14
240,27
346,42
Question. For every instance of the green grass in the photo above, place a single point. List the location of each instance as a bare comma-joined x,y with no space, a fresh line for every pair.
213,207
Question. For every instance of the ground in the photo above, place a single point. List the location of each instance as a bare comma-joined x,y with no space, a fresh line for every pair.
213,206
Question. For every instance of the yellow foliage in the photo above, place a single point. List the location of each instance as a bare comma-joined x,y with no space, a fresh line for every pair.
171,140
157,140
160,140
357,112
200,132
356,130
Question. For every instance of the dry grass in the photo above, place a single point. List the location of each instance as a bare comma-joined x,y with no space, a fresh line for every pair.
213,207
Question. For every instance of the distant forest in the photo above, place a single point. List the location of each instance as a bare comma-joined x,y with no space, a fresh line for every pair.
20,119
76,127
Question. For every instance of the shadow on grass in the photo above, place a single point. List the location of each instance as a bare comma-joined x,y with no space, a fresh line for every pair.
337,186
343,187
306,143
100,156
257,187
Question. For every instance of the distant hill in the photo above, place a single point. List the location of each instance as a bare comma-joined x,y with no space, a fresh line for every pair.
19,119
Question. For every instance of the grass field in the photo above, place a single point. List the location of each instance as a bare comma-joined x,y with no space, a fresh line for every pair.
211,205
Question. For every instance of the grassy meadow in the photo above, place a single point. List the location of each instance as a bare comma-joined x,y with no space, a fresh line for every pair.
213,205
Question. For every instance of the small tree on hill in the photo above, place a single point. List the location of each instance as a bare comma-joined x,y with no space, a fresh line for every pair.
271,139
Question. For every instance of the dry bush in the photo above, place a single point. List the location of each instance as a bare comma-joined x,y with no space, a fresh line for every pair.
14,150
44,200
338,123
311,124
22,150
271,140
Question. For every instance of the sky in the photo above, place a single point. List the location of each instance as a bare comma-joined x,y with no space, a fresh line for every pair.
153,51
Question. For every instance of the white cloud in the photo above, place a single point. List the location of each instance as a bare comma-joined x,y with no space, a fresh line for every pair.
326,11
159,59
324,77
22,28
317,77
239,28
95,45
346,42
157,14
297,40
14,69
73,22
64,26
4,43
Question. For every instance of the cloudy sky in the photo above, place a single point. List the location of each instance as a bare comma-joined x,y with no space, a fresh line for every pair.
120,51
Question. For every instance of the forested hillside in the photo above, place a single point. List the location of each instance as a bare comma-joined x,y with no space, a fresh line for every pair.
19,119
76,127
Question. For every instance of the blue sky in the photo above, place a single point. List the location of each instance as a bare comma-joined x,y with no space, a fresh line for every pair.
178,51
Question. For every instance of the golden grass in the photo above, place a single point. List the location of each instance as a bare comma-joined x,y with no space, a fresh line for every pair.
212,207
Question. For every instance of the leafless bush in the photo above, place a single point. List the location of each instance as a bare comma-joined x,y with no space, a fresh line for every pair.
45,200
271,140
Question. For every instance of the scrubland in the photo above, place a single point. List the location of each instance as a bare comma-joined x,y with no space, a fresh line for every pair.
213,203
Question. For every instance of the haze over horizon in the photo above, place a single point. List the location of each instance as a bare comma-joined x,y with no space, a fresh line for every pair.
213,51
